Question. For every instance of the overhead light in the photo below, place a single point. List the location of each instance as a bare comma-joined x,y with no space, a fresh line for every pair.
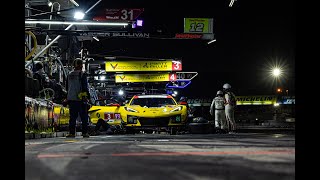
231,3
77,23
212,41
94,37
78,15
74,2
120,92
102,78
139,22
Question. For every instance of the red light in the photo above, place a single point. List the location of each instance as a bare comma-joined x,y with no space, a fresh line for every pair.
135,97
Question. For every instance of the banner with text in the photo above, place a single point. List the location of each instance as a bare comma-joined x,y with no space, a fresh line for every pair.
256,100
198,25
128,14
120,78
166,65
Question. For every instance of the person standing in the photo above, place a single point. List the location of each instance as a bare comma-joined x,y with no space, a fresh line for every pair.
77,97
41,75
230,105
217,110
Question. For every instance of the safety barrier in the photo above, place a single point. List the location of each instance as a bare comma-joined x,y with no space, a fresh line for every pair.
43,115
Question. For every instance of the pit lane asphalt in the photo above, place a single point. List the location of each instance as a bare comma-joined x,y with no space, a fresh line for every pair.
162,157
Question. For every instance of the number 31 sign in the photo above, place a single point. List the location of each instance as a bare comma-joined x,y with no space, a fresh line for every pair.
198,25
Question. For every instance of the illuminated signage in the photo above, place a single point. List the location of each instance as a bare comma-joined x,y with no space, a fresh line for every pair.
241,100
165,65
198,25
256,100
178,84
288,100
119,14
120,78
188,36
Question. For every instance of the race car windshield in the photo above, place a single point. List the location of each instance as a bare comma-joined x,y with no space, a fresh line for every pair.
153,102
105,102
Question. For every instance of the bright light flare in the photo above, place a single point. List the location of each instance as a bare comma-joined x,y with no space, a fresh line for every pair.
78,15
276,72
120,92
102,78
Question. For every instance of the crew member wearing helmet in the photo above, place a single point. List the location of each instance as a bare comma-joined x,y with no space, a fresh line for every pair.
217,106
230,105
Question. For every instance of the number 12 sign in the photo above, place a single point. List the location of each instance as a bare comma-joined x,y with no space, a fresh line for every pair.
198,25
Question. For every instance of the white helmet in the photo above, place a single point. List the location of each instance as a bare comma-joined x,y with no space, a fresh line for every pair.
219,92
226,86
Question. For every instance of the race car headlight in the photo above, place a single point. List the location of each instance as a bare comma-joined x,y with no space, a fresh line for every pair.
130,109
176,109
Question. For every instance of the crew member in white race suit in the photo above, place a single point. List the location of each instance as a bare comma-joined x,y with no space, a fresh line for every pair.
229,107
217,106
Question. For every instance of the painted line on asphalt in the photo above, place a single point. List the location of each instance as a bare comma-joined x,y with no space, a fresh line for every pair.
207,153
272,152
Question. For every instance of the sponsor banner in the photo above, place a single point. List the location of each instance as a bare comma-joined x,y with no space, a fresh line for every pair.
111,34
115,34
200,102
256,100
194,36
188,36
166,65
288,100
120,78
121,34
241,100
126,14
178,84
198,25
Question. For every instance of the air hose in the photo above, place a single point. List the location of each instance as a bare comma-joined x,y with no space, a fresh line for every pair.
34,47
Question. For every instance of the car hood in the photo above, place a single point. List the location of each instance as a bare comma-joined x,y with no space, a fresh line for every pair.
155,110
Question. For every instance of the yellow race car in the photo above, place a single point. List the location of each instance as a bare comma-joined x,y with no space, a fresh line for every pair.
154,112
107,110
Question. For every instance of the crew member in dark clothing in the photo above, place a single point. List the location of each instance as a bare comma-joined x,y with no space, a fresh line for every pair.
78,96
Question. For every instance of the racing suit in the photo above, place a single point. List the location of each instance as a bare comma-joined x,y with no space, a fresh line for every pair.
229,110
219,112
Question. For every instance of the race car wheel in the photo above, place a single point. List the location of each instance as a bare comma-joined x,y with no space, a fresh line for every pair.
130,130
173,131
149,131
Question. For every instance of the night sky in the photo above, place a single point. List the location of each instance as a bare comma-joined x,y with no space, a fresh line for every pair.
251,37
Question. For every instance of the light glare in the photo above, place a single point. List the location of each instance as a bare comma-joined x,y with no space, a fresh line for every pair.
77,23
120,92
78,15
276,72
